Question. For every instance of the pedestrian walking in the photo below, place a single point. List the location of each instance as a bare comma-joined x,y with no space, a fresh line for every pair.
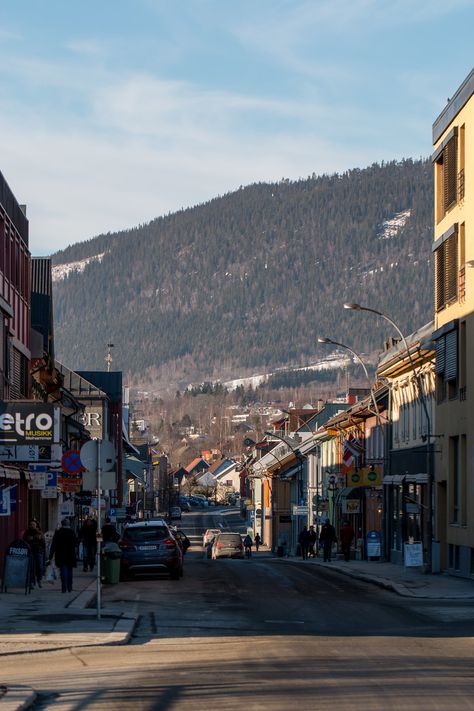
35,539
63,548
88,538
258,541
312,540
346,536
248,545
303,540
109,532
327,537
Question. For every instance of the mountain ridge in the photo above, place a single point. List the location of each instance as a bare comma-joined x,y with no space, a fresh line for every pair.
252,278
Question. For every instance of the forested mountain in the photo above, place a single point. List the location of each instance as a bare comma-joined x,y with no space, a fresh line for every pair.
250,279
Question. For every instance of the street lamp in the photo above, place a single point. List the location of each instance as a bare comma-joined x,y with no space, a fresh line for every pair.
359,359
416,374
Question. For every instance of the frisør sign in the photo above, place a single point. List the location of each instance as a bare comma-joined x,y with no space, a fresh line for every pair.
27,422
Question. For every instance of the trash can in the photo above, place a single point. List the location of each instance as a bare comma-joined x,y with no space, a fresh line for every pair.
110,559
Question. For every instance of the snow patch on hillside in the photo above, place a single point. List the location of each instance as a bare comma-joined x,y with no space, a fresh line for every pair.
390,228
61,271
332,362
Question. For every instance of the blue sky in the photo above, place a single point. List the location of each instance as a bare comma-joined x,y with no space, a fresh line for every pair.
113,112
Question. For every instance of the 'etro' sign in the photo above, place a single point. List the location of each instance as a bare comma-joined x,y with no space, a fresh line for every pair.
26,422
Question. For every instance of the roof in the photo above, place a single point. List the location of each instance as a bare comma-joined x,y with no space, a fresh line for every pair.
420,341
192,465
454,106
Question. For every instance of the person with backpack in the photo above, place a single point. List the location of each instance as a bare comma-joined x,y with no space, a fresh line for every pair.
248,545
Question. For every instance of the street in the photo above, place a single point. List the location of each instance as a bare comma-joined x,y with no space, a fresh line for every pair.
264,633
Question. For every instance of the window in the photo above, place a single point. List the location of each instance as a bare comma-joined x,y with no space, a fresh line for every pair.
455,468
447,365
446,279
445,159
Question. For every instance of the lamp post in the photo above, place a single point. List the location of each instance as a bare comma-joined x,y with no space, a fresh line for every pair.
416,374
332,488
359,359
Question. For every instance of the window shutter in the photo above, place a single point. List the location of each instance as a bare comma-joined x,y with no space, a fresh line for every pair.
440,356
451,355
450,173
439,277
451,267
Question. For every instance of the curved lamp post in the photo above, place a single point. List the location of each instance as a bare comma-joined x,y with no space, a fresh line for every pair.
359,359
358,307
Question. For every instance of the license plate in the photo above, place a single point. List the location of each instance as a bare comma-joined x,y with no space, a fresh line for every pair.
147,548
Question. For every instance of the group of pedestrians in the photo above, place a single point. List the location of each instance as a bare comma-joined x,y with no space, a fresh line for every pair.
310,544
64,548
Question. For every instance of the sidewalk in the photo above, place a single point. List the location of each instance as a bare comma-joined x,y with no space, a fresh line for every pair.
408,582
47,619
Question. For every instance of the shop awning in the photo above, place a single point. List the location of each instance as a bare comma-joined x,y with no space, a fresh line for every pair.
393,479
420,478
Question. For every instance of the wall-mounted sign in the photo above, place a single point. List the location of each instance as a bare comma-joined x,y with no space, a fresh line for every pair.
93,420
37,480
27,422
351,506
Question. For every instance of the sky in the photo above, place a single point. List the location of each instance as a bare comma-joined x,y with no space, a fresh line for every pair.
114,112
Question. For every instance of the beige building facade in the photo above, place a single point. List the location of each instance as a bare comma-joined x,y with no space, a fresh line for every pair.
453,163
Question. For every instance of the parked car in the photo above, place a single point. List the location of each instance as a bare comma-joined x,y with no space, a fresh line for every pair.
175,512
150,547
184,506
227,545
209,535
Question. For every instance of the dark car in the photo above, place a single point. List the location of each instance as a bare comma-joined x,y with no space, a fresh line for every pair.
149,547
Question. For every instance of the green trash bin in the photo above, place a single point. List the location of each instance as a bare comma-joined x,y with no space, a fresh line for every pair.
111,555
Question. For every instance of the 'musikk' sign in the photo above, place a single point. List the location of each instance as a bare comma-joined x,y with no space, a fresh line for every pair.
26,422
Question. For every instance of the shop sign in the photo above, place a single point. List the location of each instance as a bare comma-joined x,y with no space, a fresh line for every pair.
372,541
5,507
27,423
413,555
67,508
351,506
93,420
37,480
300,510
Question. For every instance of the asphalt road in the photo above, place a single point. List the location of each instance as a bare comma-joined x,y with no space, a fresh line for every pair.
263,633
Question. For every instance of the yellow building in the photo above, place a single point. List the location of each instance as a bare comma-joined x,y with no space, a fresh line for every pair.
453,162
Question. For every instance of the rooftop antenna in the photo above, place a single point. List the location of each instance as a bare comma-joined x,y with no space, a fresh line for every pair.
108,357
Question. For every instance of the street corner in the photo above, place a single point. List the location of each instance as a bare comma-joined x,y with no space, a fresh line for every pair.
16,698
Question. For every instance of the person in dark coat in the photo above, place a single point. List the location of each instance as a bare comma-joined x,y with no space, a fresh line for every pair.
88,537
327,537
346,535
63,548
312,540
35,539
109,532
258,541
303,540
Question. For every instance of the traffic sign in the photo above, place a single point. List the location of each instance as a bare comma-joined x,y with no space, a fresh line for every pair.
71,462
89,455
